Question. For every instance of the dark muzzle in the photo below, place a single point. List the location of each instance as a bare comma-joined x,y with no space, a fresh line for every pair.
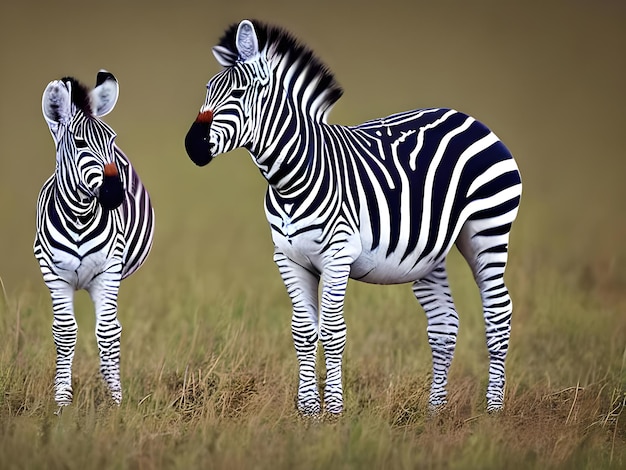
197,141
111,193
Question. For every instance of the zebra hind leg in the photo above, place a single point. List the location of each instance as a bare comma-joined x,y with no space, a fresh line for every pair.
302,287
486,249
64,333
103,291
433,294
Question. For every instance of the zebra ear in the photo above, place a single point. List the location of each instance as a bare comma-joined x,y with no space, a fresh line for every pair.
224,56
104,95
247,42
56,103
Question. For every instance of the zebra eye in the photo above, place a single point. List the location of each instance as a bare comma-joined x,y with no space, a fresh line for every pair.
81,144
237,93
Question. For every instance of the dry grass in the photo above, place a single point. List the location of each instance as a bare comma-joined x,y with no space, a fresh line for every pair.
211,384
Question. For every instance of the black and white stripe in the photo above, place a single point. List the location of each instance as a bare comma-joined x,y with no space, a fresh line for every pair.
382,202
95,223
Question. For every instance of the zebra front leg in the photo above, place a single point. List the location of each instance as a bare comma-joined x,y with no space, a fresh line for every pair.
433,294
103,291
333,333
302,286
64,333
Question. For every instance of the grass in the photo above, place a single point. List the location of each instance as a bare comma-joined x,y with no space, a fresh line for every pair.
209,374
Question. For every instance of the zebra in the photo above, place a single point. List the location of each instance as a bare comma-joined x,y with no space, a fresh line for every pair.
95,223
381,202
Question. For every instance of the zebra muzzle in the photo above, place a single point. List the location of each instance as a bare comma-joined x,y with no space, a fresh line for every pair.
111,193
197,142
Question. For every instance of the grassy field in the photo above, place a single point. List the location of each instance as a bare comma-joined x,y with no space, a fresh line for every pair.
209,372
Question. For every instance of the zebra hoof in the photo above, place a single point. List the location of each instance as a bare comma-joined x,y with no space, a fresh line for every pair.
333,408
310,408
435,411
495,408
116,397
63,397
436,403
495,401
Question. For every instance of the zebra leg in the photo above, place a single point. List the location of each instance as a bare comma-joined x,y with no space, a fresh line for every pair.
486,251
333,333
433,294
302,286
64,333
103,291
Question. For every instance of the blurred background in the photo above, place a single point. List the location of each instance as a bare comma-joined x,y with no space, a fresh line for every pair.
547,77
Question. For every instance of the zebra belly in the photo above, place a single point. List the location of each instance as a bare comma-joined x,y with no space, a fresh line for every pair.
371,266
375,267
391,261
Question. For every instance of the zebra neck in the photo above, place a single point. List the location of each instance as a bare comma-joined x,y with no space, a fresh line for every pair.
286,168
287,155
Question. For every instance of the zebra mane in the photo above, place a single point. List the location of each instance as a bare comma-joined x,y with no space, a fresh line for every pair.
279,43
80,95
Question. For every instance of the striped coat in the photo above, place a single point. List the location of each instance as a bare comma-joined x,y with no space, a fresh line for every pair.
381,202
95,223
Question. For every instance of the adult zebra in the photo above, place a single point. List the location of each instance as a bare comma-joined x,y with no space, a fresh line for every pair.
95,223
382,202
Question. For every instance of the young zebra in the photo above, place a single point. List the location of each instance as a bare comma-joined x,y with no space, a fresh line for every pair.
382,202
94,223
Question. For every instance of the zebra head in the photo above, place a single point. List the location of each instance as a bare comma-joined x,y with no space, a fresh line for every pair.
85,148
234,99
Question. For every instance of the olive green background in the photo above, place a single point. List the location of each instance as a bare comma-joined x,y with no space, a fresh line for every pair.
208,368
547,77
